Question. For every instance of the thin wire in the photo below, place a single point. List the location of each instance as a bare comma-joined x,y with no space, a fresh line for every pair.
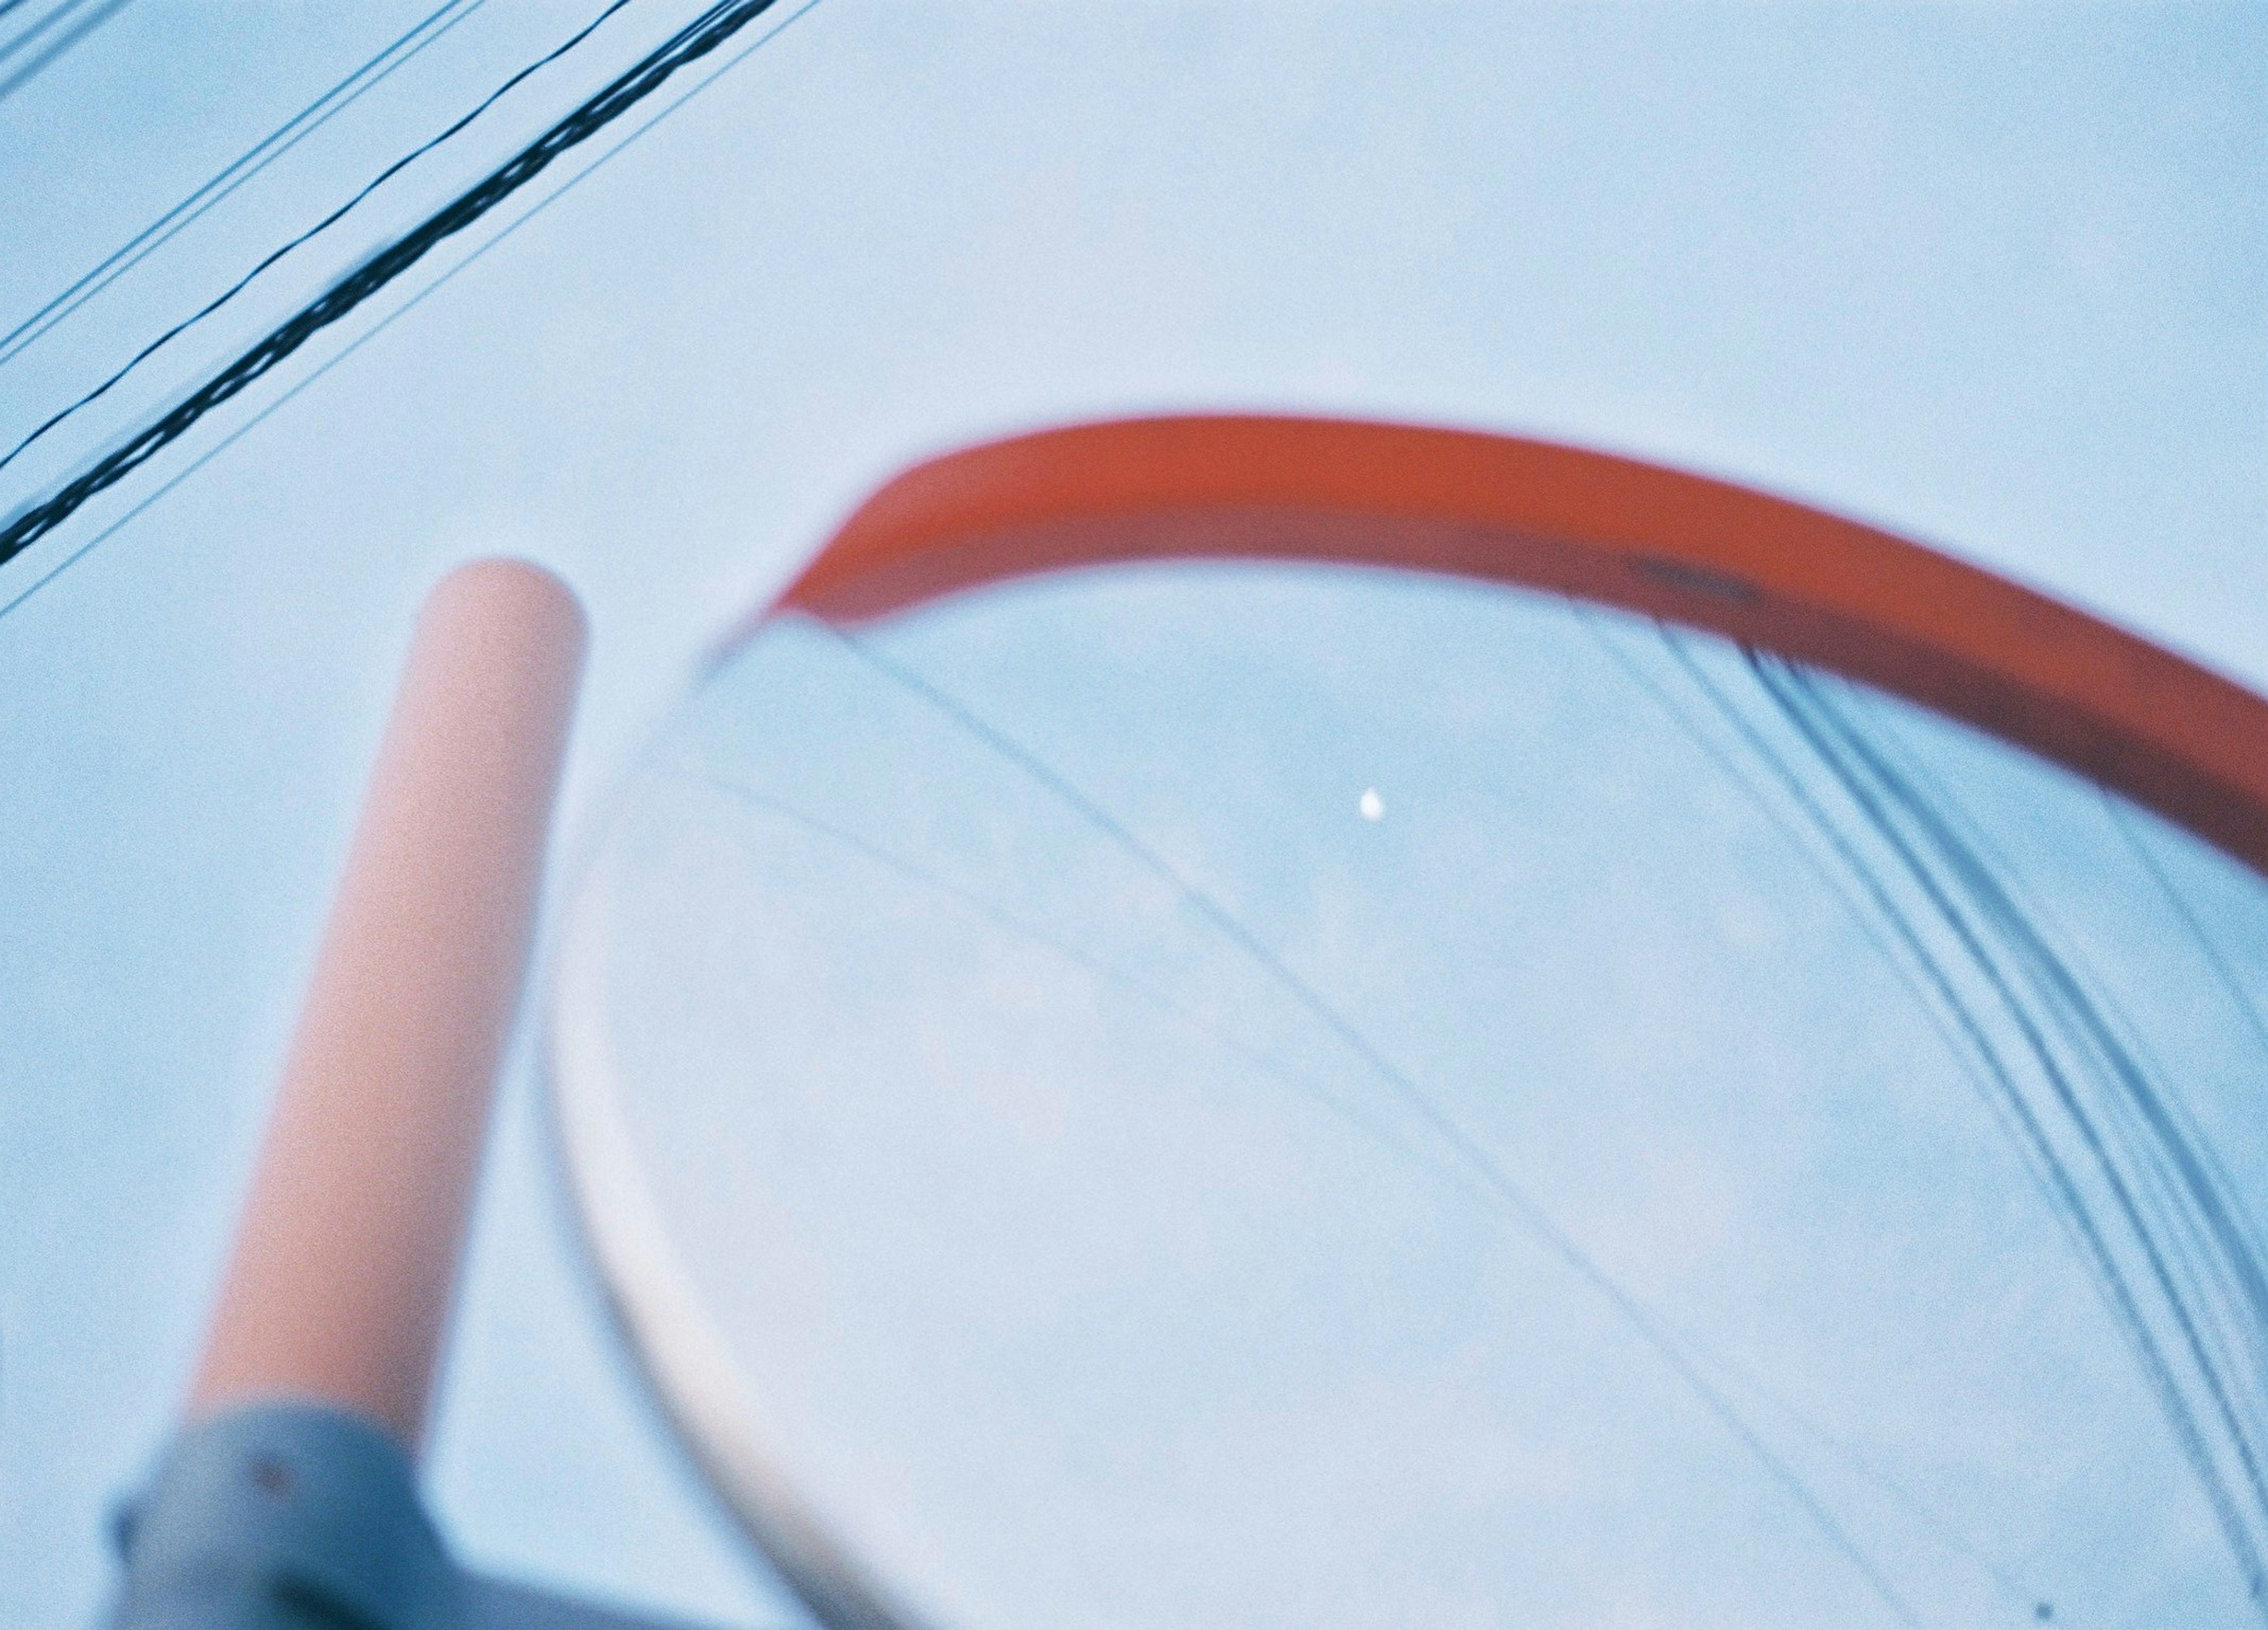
922,877
2101,1258
697,40
1935,1522
2181,1172
1956,1045
1010,924
32,69
2006,915
2168,1147
1926,997
2173,1136
278,142
39,26
394,316
1875,789
380,179
1962,1034
1452,1134
2223,973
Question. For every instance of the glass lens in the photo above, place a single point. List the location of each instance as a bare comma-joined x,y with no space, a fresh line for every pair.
1307,1096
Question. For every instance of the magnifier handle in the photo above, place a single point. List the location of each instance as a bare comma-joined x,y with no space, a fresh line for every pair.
346,1257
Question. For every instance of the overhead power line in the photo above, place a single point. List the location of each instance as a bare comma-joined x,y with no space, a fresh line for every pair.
696,39
62,43
400,311
250,163
328,221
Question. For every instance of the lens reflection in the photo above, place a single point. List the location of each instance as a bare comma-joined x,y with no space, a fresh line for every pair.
1301,1094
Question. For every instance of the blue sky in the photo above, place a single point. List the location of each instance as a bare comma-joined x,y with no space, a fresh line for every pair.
1996,277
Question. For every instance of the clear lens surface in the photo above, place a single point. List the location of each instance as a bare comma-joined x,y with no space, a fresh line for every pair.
1191,1094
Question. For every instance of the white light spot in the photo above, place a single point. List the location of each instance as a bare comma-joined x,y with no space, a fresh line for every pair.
1371,804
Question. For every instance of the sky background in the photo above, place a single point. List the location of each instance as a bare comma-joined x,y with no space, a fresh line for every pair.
1993,277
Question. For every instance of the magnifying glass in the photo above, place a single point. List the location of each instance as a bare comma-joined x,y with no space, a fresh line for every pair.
1275,1021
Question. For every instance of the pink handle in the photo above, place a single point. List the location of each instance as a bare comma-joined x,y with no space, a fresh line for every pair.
346,1257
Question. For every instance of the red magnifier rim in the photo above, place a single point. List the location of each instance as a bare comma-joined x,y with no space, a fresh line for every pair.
1780,576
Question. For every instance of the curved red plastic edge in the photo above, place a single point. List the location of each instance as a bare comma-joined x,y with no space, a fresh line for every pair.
1808,585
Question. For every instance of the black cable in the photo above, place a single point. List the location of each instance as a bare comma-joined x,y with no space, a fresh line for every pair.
2222,971
256,158
383,176
391,317
39,26
1970,903
32,69
690,44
